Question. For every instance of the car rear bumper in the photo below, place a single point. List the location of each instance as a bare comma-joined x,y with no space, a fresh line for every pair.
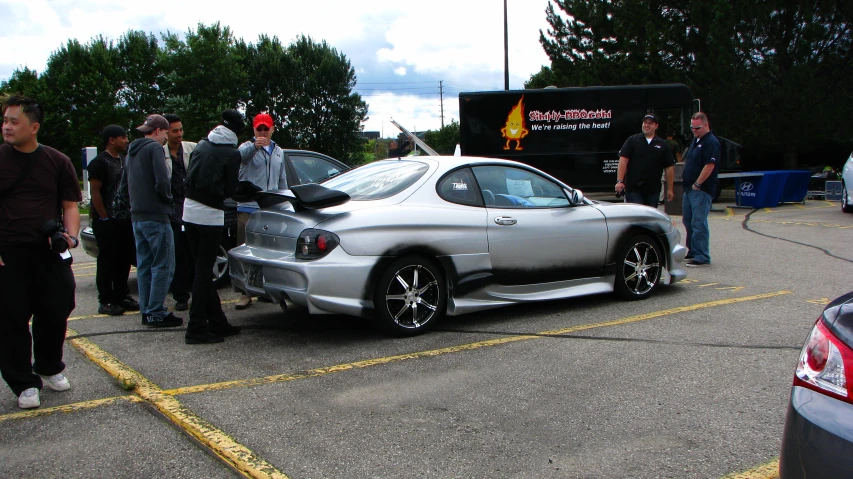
818,436
335,284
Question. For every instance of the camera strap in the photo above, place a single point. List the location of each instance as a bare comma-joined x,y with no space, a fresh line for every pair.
20,178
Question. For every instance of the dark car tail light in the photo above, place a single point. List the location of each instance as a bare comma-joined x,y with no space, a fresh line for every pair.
822,364
314,244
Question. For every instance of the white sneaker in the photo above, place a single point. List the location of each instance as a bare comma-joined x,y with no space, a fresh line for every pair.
29,399
57,382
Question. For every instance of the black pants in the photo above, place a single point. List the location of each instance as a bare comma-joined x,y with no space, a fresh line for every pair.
35,282
206,310
182,281
116,250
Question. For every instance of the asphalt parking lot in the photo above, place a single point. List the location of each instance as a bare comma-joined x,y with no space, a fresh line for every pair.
691,383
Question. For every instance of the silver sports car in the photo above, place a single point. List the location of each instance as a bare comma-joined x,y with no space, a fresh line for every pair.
406,241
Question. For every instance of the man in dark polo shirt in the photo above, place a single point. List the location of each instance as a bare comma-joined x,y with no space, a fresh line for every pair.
113,235
37,184
700,184
642,160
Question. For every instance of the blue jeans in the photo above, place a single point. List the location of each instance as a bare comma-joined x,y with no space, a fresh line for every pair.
155,265
696,205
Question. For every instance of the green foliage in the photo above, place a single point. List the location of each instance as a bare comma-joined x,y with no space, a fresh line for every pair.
769,73
443,141
324,114
205,75
306,86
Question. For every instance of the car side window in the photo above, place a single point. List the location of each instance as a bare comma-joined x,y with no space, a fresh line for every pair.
508,187
458,186
312,169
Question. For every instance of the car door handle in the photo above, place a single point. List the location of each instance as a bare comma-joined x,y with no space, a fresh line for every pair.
505,220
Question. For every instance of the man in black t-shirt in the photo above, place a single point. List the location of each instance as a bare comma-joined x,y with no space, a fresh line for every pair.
642,160
38,185
114,236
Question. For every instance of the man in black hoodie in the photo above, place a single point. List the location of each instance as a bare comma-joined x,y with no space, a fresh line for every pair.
211,177
151,204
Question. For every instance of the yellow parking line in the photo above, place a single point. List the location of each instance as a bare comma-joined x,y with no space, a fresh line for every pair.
463,347
47,411
225,447
764,471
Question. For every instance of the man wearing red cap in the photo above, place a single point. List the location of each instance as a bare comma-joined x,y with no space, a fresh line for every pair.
262,164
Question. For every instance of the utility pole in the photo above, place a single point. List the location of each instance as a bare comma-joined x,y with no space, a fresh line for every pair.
441,96
506,51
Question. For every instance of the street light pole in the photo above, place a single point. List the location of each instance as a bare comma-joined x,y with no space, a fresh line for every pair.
506,51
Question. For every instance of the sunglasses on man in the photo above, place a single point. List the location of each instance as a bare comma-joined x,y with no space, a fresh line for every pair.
696,127
263,128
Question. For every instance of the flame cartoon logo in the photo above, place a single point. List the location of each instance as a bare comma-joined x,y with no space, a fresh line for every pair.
515,130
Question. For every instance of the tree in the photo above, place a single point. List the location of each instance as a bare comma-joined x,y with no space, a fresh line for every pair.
80,95
322,113
444,141
140,72
769,72
204,75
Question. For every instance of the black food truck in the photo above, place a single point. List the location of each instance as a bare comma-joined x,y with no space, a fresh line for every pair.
573,134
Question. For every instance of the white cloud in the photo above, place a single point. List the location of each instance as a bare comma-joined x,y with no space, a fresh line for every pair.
400,71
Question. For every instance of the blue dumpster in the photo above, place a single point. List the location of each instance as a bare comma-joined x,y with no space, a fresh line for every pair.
766,189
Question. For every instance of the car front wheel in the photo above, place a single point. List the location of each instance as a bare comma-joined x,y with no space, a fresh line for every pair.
845,203
639,270
410,297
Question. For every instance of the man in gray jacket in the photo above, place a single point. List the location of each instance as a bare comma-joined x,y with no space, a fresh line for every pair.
151,205
262,164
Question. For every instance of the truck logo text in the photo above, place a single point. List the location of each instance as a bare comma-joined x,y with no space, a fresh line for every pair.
556,115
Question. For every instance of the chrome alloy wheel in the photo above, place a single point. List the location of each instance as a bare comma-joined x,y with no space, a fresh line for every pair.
641,268
412,296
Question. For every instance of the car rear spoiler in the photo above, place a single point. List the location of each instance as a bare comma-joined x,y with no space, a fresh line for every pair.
303,197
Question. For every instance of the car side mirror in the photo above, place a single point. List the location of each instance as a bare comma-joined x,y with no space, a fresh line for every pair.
575,197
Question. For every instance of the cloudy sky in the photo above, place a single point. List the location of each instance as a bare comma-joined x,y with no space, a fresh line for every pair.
400,50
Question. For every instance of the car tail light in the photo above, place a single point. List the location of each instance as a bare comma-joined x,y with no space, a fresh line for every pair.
821,365
314,244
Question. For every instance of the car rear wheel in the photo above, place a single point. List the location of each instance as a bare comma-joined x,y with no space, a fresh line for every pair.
845,203
639,270
410,297
220,266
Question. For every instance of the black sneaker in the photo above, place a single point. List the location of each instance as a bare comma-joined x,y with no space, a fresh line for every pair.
696,264
129,304
227,330
168,321
203,338
111,309
144,319
181,305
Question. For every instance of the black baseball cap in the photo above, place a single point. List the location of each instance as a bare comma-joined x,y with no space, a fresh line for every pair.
651,116
112,131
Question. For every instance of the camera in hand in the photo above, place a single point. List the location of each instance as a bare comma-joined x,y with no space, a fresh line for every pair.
54,230
621,192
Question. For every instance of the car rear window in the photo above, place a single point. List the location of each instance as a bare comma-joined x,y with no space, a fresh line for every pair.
378,180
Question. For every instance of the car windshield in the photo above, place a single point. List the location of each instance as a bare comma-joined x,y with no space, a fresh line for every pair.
377,180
